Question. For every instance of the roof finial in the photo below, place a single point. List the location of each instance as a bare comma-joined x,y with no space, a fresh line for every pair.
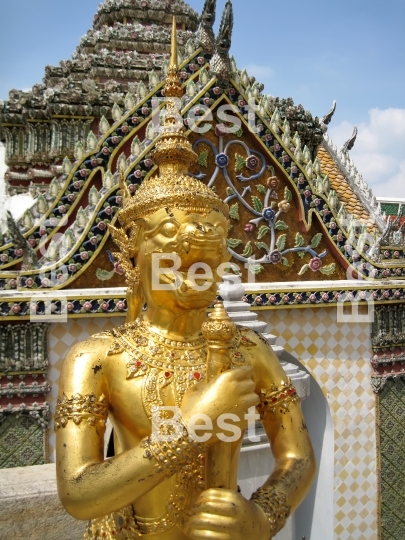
220,62
173,82
205,35
325,120
350,143
173,59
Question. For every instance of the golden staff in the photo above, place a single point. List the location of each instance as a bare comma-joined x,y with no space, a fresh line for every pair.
219,331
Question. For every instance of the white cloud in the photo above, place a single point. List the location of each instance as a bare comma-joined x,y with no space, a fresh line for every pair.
260,72
379,152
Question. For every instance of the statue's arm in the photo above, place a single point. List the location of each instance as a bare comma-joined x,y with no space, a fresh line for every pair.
285,426
90,486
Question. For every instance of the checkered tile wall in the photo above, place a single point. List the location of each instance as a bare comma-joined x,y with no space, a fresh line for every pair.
338,356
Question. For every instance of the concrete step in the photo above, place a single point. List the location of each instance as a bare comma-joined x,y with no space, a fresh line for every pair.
236,306
258,326
270,338
241,316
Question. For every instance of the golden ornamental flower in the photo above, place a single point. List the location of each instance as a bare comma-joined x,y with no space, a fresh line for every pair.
284,206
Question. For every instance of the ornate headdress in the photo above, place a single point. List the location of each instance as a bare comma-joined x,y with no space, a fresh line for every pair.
173,154
173,188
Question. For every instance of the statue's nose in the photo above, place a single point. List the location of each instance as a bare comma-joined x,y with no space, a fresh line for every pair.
202,229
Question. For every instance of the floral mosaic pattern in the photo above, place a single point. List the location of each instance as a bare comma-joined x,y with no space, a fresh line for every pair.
22,442
391,425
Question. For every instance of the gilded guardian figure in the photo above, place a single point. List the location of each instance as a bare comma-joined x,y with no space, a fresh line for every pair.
172,363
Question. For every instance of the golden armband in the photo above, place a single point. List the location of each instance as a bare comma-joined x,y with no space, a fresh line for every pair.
277,398
174,450
80,408
119,524
274,505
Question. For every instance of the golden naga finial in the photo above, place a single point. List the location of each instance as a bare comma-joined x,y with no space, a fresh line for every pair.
173,82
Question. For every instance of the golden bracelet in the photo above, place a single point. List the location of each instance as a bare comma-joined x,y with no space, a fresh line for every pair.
277,398
175,450
274,505
79,408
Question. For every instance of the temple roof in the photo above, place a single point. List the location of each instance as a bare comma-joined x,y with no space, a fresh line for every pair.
300,210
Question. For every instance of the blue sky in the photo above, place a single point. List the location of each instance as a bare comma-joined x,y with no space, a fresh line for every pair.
314,51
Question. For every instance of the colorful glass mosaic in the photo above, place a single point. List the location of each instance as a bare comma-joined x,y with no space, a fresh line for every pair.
22,442
391,424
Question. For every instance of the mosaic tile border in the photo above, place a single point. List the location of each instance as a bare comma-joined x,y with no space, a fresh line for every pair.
76,303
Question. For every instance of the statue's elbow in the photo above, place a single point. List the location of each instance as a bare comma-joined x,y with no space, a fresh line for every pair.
76,508
75,501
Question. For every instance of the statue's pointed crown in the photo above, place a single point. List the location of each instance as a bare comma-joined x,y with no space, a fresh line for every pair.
173,153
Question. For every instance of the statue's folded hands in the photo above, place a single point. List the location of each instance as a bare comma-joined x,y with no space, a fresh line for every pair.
224,514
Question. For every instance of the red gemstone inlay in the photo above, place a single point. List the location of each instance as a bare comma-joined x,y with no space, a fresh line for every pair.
282,396
274,399
138,364
237,353
168,374
197,376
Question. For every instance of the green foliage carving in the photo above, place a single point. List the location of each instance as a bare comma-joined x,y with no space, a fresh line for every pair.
263,231
203,158
316,240
247,252
328,270
257,204
261,189
287,194
299,240
229,192
285,261
255,268
104,275
234,211
281,226
281,240
240,162
262,245
303,269
233,242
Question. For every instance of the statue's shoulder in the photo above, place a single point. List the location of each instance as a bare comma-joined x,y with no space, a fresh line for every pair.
259,354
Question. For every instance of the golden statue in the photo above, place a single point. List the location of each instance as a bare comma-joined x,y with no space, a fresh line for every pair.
169,378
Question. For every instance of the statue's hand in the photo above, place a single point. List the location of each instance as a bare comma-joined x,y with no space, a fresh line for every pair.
222,514
232,392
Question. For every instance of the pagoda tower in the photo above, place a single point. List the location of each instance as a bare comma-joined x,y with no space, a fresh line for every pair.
120,58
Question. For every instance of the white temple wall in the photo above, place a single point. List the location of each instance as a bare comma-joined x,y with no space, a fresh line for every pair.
338,357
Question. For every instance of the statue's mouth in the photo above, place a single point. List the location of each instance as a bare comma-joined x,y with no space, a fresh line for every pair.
192,249
192,265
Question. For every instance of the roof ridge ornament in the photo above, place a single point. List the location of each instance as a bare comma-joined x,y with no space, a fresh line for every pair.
350,142
326,120
205,32
220,64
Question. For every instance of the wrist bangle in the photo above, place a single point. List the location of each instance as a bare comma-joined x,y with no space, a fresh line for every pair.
174,449
274,505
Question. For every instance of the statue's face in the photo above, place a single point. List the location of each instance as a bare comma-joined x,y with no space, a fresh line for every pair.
179,255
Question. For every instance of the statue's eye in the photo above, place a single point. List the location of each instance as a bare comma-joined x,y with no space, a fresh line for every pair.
169,230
